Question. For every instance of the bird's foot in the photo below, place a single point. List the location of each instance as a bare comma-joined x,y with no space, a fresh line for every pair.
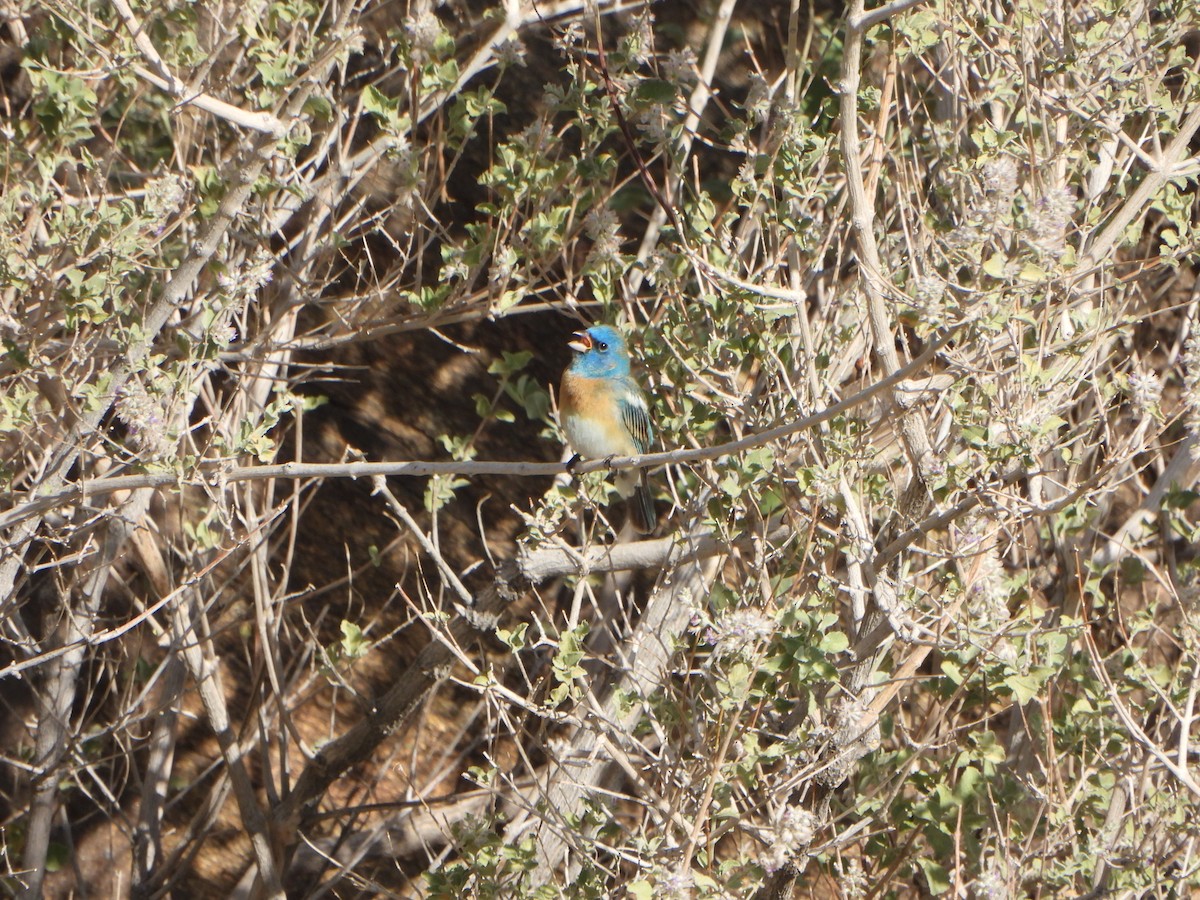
572,463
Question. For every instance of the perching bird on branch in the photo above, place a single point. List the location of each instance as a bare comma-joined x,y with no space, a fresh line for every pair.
604,413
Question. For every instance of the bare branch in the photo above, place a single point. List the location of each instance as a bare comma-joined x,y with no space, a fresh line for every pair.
223,473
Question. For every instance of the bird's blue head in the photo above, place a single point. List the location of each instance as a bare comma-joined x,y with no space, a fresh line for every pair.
600,353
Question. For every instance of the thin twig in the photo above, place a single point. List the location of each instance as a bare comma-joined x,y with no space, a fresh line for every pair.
223,473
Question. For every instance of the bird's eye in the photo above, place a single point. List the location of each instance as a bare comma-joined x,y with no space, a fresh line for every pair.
601,346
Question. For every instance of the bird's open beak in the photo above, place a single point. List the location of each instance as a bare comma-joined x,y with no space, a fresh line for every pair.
582,342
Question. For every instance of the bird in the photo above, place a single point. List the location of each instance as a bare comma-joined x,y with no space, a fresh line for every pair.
604,414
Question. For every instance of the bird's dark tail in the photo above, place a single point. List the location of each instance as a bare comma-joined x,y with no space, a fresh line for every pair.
641,506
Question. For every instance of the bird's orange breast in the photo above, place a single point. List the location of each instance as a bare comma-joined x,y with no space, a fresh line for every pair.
590,418
588,397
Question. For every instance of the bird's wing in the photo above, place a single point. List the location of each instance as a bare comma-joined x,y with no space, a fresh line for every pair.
636,419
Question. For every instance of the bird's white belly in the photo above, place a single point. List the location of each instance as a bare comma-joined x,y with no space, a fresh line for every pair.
593,441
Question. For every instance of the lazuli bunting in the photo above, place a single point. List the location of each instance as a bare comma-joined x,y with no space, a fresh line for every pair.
604,413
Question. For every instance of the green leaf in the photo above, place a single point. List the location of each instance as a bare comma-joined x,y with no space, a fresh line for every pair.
510,363
952,671
565,664
970,784
507,300
319,108
834,642
735,686
995,265
64,105
440,491
379,104
354,645
1030,272
1023,687
515,638
653,90
936,876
